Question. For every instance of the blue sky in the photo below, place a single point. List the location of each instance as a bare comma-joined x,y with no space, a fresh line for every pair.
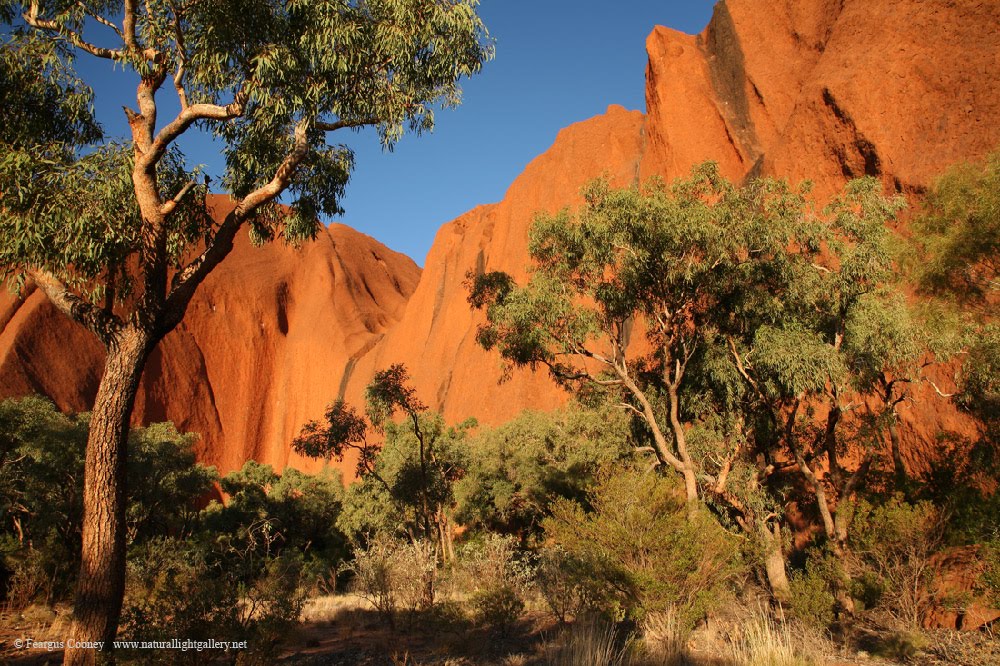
557,62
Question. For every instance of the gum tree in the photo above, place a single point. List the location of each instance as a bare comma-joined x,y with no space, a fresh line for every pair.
694,266
116,234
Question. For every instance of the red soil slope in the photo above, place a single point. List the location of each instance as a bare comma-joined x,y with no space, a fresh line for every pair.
817,89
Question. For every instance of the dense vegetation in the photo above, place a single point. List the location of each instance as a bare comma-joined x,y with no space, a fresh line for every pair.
746,452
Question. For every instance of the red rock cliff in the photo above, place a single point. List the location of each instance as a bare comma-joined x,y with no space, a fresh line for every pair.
818,89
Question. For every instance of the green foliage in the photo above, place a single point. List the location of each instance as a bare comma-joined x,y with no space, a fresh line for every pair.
894,544
980,383
269,78
640,550
292,511
991,570
206,589
813,602
41,490
44,102
392,495
516,471
567,583
407,484
960,232
165,482
497,607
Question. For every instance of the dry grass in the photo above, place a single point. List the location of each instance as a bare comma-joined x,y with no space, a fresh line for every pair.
664,639
589,643
761,640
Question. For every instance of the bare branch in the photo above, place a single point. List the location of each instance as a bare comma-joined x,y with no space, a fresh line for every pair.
341,124
31,18
102,323
129,24
187,117
100,19
179,74
169,206
633,408
939,391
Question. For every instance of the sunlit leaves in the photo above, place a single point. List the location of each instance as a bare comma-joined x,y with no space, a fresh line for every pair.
960,232
79,219
43,100
280,65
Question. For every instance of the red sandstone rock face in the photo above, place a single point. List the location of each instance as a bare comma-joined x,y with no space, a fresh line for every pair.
436,336
818,89
263,347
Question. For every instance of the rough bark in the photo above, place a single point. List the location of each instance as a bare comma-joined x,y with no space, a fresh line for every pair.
101,585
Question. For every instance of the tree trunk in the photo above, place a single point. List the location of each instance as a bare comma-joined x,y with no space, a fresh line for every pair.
774,563
101,586
690,479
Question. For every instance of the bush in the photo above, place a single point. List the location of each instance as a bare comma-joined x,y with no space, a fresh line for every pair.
812,600
208,589
893,545
566,582
393,574
516,471
497,607
638,550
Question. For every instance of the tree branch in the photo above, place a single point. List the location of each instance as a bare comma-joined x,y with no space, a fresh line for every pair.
101,322
187,117
31,18
100,19
341,124
186,281
168,207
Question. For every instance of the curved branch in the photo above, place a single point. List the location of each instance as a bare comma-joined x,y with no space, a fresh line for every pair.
31,18
102,323
186,281
188,116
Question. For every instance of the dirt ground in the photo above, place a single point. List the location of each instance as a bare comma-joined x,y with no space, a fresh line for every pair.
344,631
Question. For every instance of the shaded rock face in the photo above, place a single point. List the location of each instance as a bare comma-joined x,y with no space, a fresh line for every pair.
823,90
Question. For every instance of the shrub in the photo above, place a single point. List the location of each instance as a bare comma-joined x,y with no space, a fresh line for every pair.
566,583
393,574
209,589
516,471
498,606
642,552
812,600
893,545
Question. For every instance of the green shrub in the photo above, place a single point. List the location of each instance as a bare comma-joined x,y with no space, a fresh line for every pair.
208,589
497,607
893,545
567,583
812,600
639,551
516,471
